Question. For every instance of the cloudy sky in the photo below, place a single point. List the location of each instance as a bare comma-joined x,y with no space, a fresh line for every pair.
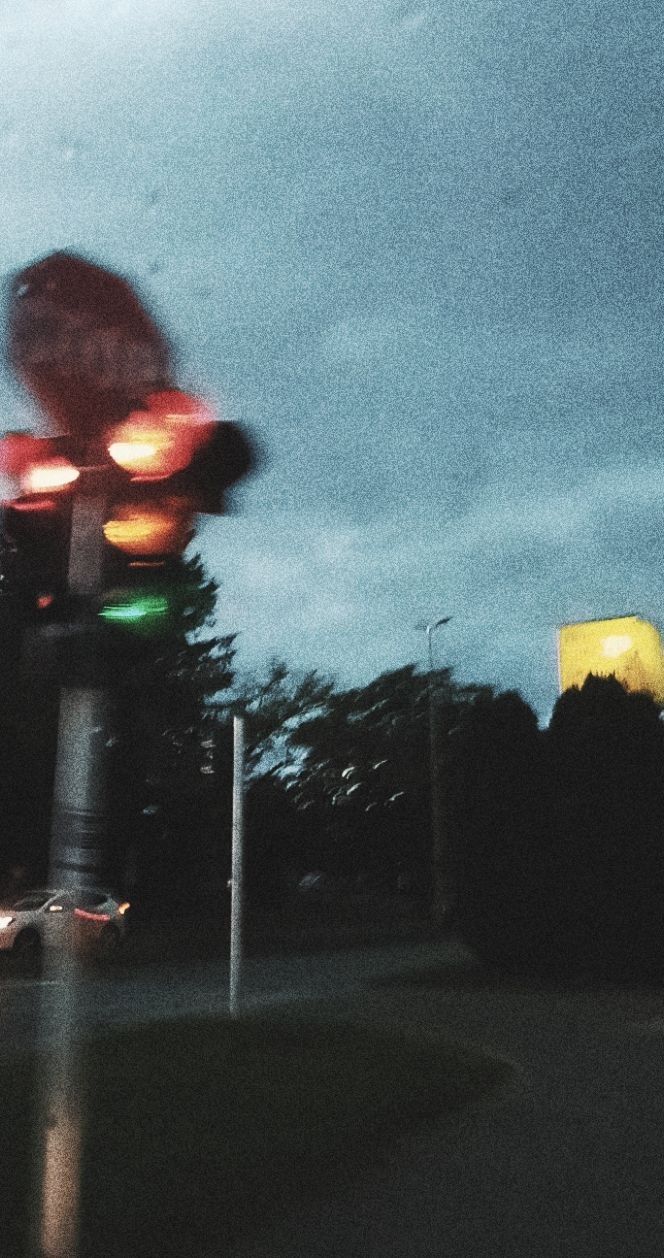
415,245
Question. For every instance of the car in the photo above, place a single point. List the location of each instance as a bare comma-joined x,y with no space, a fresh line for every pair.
45,918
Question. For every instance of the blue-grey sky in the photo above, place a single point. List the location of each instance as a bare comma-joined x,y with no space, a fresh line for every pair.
415,245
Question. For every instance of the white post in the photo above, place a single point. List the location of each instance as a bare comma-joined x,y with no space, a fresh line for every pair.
442,891
237,862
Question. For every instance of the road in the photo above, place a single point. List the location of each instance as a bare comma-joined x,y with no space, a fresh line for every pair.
201,988
568,1164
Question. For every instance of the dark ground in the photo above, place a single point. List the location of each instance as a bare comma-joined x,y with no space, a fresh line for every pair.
567,1164
301,924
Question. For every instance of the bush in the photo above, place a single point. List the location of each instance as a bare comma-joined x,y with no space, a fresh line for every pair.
557,833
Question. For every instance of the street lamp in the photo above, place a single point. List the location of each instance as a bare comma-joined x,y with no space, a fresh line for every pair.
435,624
441,895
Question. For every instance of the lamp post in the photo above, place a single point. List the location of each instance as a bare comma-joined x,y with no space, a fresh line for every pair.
441,894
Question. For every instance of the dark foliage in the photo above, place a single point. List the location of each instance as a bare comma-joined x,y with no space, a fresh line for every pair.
164,814
277,836
606,783
346,775
495,778
171,792
557,834
28,735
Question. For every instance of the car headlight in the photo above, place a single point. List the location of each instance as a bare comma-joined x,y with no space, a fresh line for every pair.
5,921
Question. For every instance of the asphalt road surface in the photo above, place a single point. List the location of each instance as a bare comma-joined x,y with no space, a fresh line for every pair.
569,1163
175,990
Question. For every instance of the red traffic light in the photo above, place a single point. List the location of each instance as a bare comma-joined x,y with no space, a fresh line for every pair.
48,476
162,438
37,464
17,450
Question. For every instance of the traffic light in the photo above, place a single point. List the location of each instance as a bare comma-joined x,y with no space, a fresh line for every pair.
36,523
101,370
177,460
164,463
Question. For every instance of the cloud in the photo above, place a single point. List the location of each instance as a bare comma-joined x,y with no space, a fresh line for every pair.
415,247
345,597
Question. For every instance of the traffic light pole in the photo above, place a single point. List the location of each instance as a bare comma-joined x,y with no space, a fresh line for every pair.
77,858
101,370
78,844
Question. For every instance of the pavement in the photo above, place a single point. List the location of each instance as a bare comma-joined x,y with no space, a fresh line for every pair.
567,1163
29,1008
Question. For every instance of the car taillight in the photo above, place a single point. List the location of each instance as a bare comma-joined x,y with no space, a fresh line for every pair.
92,917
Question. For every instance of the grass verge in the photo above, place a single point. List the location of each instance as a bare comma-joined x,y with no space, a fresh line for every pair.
196,1129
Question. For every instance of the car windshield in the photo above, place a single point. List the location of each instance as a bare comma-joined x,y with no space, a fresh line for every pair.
36,900
93,901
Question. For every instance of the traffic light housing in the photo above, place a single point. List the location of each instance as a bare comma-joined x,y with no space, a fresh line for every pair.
175,443
36,523
164,463
92,357
176,460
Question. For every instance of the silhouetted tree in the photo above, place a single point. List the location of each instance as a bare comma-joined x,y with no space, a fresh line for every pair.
497,821
605,752
28,732
558,834
357,764
162,764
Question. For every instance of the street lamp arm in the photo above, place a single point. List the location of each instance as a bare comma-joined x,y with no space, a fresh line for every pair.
428,626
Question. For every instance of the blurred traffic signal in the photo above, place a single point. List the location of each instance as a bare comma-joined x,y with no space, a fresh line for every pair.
175,443
147,604
178,460
89,353
161,465
36,523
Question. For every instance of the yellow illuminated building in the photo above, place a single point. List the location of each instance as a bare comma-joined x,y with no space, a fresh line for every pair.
626,646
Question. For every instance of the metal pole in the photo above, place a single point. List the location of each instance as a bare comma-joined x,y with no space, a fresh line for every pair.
441,890
237,867
76,858
78,835
78,844
436,827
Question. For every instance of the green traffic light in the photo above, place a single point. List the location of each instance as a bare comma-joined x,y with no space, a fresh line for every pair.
147,607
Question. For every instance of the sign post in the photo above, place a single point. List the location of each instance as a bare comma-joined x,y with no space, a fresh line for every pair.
77,857
237,869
